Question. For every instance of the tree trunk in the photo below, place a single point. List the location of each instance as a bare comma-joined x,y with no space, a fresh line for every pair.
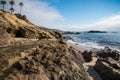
3,7
20,9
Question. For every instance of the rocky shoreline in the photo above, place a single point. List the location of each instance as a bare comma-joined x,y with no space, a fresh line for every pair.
28,52
70,32
103,62
108,64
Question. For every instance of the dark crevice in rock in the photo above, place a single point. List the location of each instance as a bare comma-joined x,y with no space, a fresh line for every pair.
20,33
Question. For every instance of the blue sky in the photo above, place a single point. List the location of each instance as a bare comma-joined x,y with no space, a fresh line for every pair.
86,11
73,15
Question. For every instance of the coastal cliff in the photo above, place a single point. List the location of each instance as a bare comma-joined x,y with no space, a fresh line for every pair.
30,53
20,28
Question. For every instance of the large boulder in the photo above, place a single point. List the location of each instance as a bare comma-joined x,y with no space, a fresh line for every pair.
108,52
108,64
108,69
87,55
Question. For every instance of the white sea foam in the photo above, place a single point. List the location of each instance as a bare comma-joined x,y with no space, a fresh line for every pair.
87,44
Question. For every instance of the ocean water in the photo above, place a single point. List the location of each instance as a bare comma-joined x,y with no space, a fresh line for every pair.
97,40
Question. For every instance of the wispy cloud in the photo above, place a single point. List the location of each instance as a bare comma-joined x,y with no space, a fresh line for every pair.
42,13
39,12
110,23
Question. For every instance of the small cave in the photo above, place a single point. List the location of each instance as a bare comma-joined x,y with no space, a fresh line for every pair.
20,33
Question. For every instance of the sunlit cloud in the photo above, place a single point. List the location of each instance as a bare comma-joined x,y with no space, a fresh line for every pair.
42,13
39,12
111,23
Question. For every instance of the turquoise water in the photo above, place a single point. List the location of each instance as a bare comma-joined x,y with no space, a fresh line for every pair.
109,39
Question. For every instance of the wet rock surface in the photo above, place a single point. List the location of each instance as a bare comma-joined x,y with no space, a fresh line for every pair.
87,55
108,64
107,71
108,52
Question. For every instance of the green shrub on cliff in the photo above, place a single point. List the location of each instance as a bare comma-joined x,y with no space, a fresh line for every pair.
20,16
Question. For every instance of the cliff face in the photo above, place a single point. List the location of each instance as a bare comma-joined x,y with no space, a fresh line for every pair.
20,28
48,58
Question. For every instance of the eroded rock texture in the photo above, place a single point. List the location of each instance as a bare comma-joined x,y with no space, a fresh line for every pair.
41,60
108,64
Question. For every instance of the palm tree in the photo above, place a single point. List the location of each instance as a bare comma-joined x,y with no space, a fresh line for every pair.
12,3
12,10
3,3
21,4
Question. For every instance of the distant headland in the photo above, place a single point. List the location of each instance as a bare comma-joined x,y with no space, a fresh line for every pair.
96,31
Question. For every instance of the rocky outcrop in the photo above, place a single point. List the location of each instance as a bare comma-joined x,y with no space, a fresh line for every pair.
25,29
108,64
57,35
107,52
87,55
69,32
41,60
108,69
68,38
